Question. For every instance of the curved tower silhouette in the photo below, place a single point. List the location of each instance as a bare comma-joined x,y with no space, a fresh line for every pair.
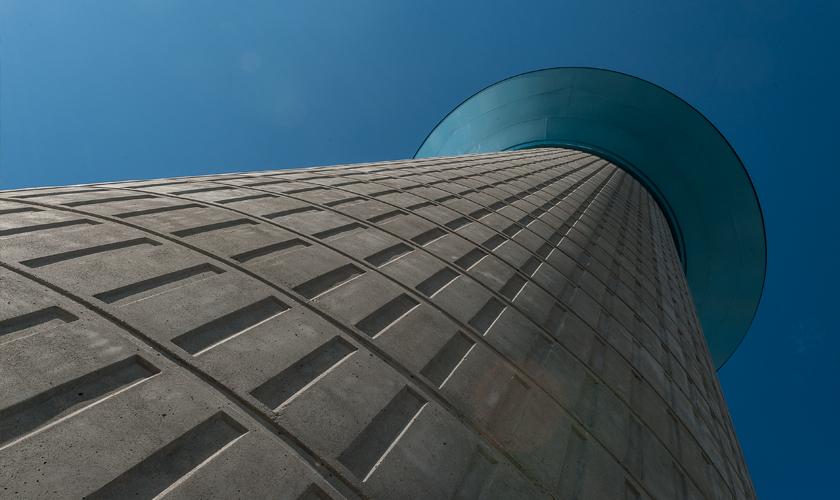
535,310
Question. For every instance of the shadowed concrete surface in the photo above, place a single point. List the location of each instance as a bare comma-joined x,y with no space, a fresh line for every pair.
507,325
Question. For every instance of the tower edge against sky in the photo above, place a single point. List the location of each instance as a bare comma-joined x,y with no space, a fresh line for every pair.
684,161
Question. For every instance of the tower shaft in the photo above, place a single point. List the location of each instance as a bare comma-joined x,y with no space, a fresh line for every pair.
500,325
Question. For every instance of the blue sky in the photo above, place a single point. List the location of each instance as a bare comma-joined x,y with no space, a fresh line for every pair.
93,91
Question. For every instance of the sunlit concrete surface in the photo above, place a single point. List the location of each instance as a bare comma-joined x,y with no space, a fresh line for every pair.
505,325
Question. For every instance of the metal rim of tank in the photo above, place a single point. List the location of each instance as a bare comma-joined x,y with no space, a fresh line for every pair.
683,160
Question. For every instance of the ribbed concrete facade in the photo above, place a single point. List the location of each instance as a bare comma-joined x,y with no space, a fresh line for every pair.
511,325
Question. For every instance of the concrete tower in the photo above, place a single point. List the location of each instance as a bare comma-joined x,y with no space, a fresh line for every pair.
534,311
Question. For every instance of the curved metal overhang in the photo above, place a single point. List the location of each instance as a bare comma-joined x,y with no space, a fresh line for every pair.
670,147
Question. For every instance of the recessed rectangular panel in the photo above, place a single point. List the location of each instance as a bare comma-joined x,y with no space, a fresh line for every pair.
281,387
386,216
163,468
212,227
110,199
458,223
428,236
389,254
544,250
385,316
444,362
19,210
291,211
228,326
83,252
161,282
43,227
57,193
157,210
327,281
48,406
35,318
530,266
478,214
344,201
382,432
303,190
487,315
512,287
494,242
202,190
512,230
269,249
437,282
418,206
471,258
249,197
336,231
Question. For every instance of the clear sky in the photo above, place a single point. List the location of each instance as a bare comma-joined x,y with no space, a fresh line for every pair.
104,90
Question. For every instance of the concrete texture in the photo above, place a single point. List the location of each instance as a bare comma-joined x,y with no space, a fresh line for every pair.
509,325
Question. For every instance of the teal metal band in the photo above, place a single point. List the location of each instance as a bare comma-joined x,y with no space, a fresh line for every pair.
669,146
